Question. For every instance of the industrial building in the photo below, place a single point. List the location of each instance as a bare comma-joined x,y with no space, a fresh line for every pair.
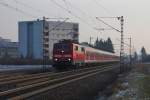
8,49
36,38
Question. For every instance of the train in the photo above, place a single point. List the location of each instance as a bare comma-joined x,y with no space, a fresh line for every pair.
68,53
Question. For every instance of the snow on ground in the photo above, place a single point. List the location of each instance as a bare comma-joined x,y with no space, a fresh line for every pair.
134,85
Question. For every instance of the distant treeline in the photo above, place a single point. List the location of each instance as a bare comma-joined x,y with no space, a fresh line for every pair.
144,56
105,45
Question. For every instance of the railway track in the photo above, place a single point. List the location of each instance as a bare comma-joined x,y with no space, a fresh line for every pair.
45,84
23,80
4,75
7,82
17,76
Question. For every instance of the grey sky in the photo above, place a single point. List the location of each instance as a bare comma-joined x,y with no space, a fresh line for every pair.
136,14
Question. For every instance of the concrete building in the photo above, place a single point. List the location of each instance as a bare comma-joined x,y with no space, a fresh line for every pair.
36,38
8,48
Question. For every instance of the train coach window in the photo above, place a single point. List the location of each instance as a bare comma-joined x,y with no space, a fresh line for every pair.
76,48
82,49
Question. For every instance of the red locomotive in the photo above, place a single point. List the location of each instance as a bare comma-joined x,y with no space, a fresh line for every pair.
69,53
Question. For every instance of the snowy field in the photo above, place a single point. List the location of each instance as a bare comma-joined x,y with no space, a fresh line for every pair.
134,85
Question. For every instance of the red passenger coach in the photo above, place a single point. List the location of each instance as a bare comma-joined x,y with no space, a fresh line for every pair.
69,53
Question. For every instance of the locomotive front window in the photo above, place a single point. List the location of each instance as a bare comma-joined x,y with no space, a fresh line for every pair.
65,47
76,48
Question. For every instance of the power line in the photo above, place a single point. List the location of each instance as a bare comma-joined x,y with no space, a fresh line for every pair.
122,39
28,6
74,7
71,13
123,43
58,25
67,10
107,24
79,10
104,8
16,9
65,2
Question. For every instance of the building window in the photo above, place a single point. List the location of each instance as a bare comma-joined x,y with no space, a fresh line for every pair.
53,34
46,33
46,39
64,35
57,29
75,29
46,45
57,35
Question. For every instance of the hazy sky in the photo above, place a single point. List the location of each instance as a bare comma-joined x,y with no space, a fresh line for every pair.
136,15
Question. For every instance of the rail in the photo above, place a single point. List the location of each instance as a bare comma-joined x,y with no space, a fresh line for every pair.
23,92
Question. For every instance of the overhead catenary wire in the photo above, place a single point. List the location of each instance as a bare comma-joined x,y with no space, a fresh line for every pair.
123,43
58,25
31,7
18,2
17,9
108,24
79,10
67,10
65,2
71,13
100,5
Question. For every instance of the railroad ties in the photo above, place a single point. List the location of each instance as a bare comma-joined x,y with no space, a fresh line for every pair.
22,87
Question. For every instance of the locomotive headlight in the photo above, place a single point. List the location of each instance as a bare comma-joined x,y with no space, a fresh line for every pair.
69,59
56,59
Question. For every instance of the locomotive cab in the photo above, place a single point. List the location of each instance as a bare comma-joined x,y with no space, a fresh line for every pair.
62,54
